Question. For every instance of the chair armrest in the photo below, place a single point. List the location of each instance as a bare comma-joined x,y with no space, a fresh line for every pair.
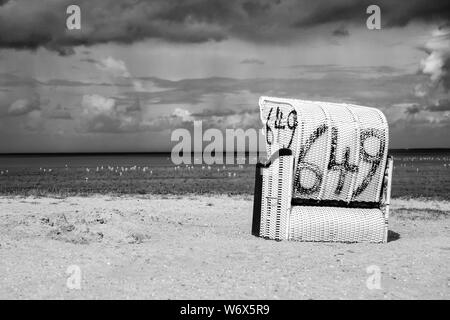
388,184
386,194
273,193
277,154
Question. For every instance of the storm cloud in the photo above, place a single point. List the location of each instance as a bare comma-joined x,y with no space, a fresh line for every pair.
440,106
27,24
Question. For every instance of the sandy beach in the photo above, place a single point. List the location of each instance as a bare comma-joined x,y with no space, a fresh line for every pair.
200,247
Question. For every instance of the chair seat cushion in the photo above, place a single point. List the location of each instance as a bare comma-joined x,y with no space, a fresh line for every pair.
336,224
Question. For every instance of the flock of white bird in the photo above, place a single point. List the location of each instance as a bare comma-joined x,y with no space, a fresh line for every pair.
120,170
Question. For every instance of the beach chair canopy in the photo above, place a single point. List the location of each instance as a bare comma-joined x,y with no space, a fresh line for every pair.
325,175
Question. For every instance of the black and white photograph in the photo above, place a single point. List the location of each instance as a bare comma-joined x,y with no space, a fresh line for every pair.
225,150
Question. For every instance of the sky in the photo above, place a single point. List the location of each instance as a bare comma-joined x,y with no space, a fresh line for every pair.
137,70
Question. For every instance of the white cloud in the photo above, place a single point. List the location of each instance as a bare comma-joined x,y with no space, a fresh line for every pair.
101,114
436,64
96,104
23,106
116,68
184,114
113,67
432,65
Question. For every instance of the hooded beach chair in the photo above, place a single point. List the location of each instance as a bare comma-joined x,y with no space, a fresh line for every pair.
327,175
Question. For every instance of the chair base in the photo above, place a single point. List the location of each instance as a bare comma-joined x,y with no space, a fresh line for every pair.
278,217
334,224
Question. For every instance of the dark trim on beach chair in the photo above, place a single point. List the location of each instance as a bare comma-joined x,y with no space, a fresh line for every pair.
335,203
257,198
279,153
257,195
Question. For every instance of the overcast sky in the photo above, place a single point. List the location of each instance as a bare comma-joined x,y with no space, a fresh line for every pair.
139,69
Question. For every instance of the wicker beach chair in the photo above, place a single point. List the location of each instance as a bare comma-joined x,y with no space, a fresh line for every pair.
328,175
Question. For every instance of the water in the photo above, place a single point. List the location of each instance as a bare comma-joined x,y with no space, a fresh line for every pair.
417,173
92,161
78,161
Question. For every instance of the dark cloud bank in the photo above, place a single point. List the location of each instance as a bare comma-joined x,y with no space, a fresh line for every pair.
29,24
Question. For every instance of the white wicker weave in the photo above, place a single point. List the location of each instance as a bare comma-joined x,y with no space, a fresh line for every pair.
333,186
